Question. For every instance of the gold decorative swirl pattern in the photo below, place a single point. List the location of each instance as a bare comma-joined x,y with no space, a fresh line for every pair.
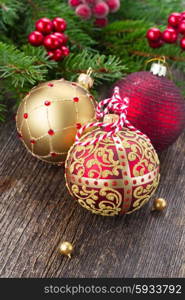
89,199
118,175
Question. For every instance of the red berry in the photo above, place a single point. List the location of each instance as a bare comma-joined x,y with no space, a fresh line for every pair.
182,43
182,16
51,42
65,50
174,19
83,11
57,54
153,34
74,2
50,54
156,44
66,38
101,22
169,35
182,27
100,10
35,38
44,25
113,5
59,24
61,37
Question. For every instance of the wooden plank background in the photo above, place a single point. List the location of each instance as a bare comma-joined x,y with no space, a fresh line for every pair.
36,212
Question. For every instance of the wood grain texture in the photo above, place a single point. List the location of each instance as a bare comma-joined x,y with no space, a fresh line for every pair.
36,212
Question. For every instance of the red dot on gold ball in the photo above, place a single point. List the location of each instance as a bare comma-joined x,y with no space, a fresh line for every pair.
53,154
75,99
51,132
126,182
25,115
105,183
47,103
78,125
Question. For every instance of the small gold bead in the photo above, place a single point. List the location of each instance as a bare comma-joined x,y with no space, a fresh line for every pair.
66,248
159,204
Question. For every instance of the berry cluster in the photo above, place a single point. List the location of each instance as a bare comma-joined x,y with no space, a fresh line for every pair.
175,27
98,9
50,34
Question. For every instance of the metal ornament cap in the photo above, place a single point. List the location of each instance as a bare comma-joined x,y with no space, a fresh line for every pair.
85,81
158,69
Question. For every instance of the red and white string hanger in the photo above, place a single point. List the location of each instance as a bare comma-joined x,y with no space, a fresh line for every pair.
113,105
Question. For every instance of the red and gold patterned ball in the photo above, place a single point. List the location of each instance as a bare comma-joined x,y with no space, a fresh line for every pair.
156,107
115,176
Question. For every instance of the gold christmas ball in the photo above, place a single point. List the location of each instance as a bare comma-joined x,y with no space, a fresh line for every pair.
159,204
66,248
49,116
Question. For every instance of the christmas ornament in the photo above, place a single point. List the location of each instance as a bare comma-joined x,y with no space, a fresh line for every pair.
98,10
175,27
50,35
156,106
66,248
112,170
49,116
159,204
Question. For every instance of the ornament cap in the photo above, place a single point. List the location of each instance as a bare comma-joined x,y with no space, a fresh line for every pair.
110,118
85,79
158,69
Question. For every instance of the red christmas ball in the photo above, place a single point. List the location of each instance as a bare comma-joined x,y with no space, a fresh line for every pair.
65,50
59,24
153,34
44,25
182,43
115,176
35,38
181,27
51,42
169,35
174,19
156,107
